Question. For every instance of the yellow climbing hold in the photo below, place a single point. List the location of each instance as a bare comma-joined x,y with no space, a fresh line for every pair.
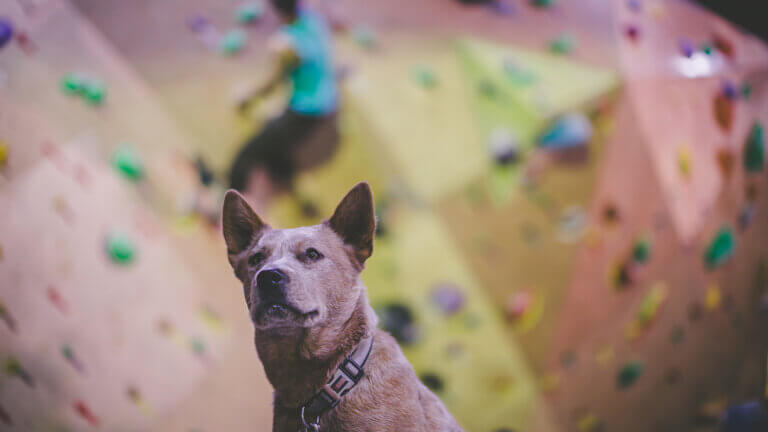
714,297
3,152
604,355
684,161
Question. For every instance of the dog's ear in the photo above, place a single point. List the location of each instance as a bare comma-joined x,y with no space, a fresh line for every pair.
240,224
355,221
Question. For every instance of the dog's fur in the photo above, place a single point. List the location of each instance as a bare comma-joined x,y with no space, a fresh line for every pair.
324,313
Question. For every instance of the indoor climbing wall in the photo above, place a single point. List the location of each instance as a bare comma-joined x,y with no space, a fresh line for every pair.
570,195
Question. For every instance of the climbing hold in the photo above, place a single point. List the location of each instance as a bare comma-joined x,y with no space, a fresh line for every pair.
72,83
14,368
720,248
448,298
707,48
3,153
746,216
433,381
120,248
723,45
729,90
746,90
364,36
686,47
518,303
502,7
504,146
57,300
541,4
563,44
232,42
589,422
754,150
549,382
211,319
94,92
610,214
424,76
695,311
249,12
672,376
713,297
635,5
629,374
572,224
71,358
567,131
5,417
641,251
7,318
684,161
127,161
604,355
568,359
725,161
85,413
517,73
6,32
197,346
632,32
397,319
723,108
677,335
648,310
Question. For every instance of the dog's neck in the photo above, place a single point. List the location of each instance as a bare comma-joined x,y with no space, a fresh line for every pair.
298,362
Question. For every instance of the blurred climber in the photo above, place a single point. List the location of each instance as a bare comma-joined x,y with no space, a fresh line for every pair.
301,55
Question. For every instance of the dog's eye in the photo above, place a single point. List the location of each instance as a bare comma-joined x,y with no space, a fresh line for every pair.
312,254
256,259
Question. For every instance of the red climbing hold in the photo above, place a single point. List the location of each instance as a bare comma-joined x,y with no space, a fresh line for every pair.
83,411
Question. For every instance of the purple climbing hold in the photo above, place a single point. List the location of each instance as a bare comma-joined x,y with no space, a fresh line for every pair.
635,5
730,91
197,23
6,31
448,298
686,48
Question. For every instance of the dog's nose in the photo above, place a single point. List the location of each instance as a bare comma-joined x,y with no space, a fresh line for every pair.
271,280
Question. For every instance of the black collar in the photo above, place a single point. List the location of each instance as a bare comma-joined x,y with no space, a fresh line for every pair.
346,377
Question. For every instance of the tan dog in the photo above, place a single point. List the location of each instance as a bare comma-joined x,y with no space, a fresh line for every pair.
314,326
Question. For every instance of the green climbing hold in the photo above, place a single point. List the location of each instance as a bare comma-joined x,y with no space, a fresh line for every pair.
94,92
128,163
249,12
720,249
746,90
641,252
364,36
72,83
120,248
232,42
754,150
562,44
629,374
707,48
424,76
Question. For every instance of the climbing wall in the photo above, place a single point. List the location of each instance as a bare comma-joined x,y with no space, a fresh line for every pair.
106,322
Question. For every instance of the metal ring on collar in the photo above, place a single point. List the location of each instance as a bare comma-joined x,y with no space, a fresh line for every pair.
314,426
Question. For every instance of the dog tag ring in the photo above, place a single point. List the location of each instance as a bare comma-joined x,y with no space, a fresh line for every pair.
311,426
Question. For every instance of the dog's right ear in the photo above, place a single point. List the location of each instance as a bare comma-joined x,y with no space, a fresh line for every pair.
240,224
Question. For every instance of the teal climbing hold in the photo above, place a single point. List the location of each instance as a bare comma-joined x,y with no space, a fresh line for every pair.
567,131
232,42
120,248
364,36
754,150
562,44
128,163
629,374
720,249
249,12
424,76
542,3
641,252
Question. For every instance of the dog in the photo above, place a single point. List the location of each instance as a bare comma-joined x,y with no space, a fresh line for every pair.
332,369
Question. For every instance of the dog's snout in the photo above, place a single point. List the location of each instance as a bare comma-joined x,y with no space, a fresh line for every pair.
271,280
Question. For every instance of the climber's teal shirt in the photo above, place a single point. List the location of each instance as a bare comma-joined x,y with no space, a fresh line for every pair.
313,83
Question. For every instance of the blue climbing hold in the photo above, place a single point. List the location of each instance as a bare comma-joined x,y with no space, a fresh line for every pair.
6,31
567,131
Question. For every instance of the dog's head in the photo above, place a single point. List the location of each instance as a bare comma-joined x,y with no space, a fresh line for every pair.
300,277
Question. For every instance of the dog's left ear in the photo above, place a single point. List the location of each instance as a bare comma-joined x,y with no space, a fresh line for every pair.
355,221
